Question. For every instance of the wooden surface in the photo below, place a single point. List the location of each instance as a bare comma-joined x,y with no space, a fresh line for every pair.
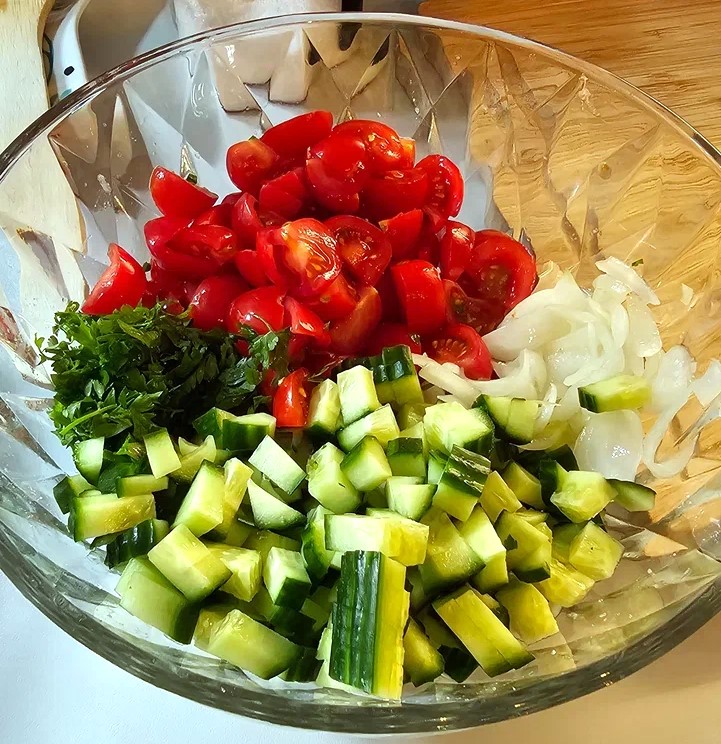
669,48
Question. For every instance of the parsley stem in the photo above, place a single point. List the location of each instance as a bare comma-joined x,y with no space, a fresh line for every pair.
82,419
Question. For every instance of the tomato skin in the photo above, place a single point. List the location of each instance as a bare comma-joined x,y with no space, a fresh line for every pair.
260,309
445,181
429,246
456,247
219,215
176,197
482,315
363,247
501,269
403,231
248,219
349,334
168,286
161,229
250,268
345,158
393,192
382,143
210,303
393,334
461,345
250,163
291,139
420,291
409,153
267,248
213,242
285,195
122,283
386,287
302,321
336,301
183,264
292,399
328,191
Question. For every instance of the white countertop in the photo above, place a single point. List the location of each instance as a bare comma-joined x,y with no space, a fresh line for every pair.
55,691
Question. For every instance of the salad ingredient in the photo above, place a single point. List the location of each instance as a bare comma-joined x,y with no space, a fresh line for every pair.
445,184
122,283
250,164
460,344
176,196
420,291
208,307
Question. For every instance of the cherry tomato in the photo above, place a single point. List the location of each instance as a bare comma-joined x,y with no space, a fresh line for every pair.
409,153
445,191
392,334
501,269
403,231
248,219
482,315
206,241
429,246
394,192
291,139
160,230
461,345
260,309
250,163
268,249
250,268
330,192
345,158
232,198
212,299
183,264
122,283
383,144
307,257
285,195
420,291
364,249
386,287
302,321
291,400
335,302
168,286
323,363
297,349
218,215
435,220
456,248
349,334
176,197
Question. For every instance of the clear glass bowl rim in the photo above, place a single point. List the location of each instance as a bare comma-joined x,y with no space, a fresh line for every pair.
262,705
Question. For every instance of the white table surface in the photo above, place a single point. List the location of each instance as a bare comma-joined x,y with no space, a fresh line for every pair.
55,691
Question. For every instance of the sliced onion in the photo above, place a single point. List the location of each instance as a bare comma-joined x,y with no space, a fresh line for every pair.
546,410
644,339
567,406
673,379
606,290
527,332
624,273
619,323
708,387
449,381
673,465
610,444
525,377
566,293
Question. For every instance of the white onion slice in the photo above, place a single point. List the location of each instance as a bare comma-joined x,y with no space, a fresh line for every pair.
708,387
566,292
673,465
449,381
670,386
526,332
644,339
525,377
611,444
546,410
624,273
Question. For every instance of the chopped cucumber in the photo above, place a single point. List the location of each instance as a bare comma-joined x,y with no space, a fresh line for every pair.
406,457
414,536
588,548
492,576
191,463
88,457
68,488
495,607
633,496
450,424
188,564
530,615
408,499
368,620
615,394
316,557
514,418
366,465
208,619
236,475
380,424
285,578
136,541
235,433
324,410
497,496
277,465
202,507
248,644
137,485
582,495
478,532
269,512
245,568
287,621
436,466
93,516
161,453
459,664
410,414
461,483
328,484
565,586
421,661
525,486
149,596
304,669
550,475
357,394
351,532
264,540
238,534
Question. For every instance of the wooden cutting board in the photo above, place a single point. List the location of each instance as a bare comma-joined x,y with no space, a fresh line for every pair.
668,48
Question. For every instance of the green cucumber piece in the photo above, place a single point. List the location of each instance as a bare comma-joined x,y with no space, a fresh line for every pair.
497,496
409,499
478,532
135,542
514,418
68,488
461,483
244,566
366,465
328,484
277,465
410,414
380,424
88,457
191,463
565,586
264,540
270,513
421,661
105,514
110,476
238,534
316,557
618,393
324,411
590,549
436,466
530,616
582,495
236,475
136,485
285,578
450,424
161,453
633,496
414,536
208,619
357,394
406,457
492,576
202,508
526,486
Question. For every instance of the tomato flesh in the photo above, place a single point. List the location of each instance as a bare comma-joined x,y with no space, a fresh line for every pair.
461,345
420,292
482,315
213,242
249,164
393,192
329,191
393,334
456,248
345,158
291,400
174,196
122,283
291,139
445,191
384,146
349,334
160,230
302,321
248,219
209,304
260,309
336,301
285,195
403,232
363,248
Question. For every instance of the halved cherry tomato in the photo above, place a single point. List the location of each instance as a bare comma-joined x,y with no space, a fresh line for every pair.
461,345
302,321
446,184
250,163
122,283
250,268
383,144
260,309
183,264
500,269
268,247
435,220
212,299
323,363
420,291
297,350
403,231
248,219
220,215
291,400
217,243
364,249
429,246
392,334
176,197
335,302
291,139
349,334
456,247
393,192
167,285
482,315
344,157
386,287
160,230
231,198
285,195
330,192
409,153
306,257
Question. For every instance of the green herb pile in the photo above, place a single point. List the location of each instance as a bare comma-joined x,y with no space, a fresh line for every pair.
141,368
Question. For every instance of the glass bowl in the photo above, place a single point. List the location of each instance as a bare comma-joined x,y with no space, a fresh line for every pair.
568,158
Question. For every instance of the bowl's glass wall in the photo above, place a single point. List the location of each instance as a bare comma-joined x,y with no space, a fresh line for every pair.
566,157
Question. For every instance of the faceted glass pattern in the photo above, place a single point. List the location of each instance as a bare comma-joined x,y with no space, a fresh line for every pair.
568,158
